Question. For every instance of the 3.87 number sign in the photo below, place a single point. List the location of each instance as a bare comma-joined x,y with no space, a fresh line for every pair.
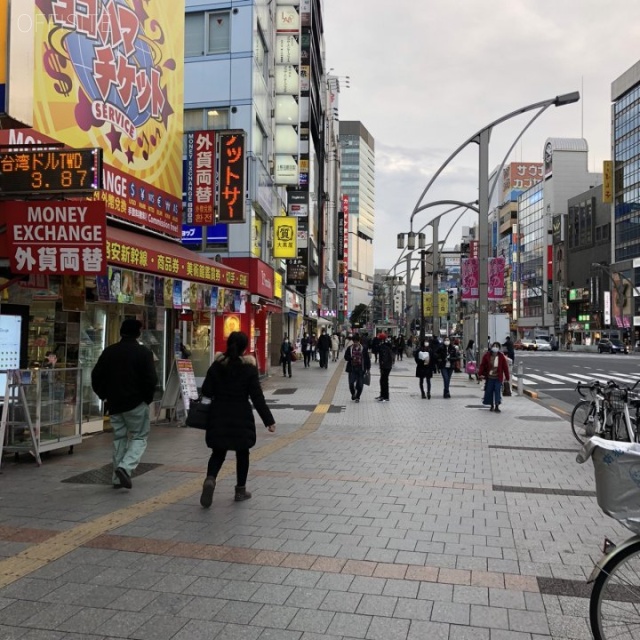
50,171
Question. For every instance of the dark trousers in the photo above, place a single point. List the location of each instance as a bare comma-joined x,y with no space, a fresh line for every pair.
446,378
286,366
356,382
384,383
242,464
324,358
428,379
307,358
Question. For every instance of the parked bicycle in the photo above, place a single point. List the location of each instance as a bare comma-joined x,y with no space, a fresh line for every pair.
606,414
614,606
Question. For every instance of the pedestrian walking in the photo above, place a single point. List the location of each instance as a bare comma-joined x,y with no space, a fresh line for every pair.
447,357
358,363
232,379
335,347
375,343
324,346
509,350
425,363
286,354
385,360
470,356
125,377
494,368
307,349
400,345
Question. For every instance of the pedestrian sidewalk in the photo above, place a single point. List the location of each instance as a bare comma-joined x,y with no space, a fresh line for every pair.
411,519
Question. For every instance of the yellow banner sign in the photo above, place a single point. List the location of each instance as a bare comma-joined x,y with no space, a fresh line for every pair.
427,300
285,234
443,304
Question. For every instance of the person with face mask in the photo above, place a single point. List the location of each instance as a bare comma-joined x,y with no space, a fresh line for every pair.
425,360
286,353
494,368
447,357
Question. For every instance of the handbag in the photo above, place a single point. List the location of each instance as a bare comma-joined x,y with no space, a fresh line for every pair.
470,367
367,378
506,388
198,414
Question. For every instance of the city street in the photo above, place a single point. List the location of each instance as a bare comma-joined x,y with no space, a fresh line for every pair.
410,520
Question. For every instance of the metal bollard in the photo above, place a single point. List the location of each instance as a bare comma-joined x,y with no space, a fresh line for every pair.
520,378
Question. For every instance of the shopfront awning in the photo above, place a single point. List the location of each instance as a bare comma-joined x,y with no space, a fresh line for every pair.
163,257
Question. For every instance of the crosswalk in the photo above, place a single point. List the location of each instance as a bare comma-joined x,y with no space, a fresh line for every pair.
549,379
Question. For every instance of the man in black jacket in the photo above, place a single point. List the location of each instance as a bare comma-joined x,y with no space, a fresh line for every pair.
125,377
358,363
385,359
324,346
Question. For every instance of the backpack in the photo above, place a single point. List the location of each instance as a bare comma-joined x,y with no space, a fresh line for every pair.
356,357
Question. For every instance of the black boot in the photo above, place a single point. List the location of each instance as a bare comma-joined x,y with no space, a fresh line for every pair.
241,494
208,487
424,395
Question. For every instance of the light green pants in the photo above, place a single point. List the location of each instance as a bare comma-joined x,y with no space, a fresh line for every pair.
130,433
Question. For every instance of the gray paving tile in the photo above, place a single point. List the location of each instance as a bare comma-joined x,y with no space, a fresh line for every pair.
8,632
274,616
490,617
199,630
272,594
401,588
123,624
413,609
387,629
313,621
420,630
457,632
306,598
86,620
373,586
279,634
451,612
349,625
377,605
529,622
341,601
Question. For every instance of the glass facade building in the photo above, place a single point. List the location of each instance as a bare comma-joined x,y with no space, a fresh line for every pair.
532,249
626,156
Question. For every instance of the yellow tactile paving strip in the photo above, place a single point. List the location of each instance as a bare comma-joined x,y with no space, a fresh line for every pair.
59,545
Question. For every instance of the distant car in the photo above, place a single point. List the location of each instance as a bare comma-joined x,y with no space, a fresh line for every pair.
611,345
527,344
517,345
540,344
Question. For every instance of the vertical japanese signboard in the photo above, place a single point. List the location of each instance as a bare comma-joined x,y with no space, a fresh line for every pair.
443,304
470,273
57,237
607,181
200,178
298,267
345,270
285,232
496,278
109,74
231,179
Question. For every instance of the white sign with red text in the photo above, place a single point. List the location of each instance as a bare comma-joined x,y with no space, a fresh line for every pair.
57,237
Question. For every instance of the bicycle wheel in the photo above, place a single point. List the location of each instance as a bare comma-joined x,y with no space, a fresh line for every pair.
614,607
582,418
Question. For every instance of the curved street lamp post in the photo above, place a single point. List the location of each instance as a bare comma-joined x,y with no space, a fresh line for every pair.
482,138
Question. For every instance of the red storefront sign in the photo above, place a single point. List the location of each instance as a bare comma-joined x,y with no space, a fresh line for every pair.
144,253
56,237
260,275
231,178
201,179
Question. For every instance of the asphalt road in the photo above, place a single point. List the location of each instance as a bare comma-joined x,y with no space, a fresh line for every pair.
553,376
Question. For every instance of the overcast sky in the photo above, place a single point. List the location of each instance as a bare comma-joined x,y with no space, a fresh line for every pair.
425,75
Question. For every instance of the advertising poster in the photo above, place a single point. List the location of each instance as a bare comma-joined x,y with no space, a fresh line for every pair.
168,292
73,293
126,288
230,324
149,287
115,284
470,272
186,295
177,294
102,285
158,285
496,278
237,301
109,74
220,301
214,298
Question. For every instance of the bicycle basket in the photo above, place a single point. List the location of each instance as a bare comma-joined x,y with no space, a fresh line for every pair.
617,398
617,474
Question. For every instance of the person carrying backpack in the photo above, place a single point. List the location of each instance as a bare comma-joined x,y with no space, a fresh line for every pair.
385,360
358,362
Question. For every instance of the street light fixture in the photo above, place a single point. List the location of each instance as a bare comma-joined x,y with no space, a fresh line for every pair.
481,138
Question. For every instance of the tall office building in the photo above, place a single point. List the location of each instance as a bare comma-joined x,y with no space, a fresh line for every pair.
625,95
357,173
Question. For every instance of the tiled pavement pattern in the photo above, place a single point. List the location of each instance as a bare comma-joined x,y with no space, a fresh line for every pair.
377,521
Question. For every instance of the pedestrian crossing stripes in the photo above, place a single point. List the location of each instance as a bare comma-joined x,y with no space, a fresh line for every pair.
556,379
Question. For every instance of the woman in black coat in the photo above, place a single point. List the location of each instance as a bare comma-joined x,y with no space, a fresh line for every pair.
230,381
425,364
